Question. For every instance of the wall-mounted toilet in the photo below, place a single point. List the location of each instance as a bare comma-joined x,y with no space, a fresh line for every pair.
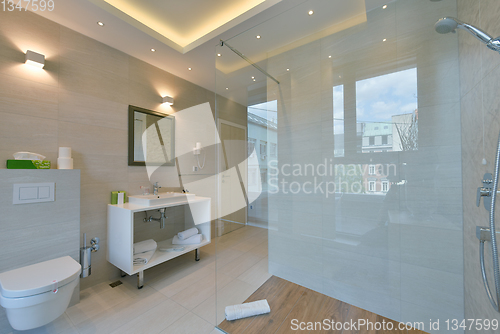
35,295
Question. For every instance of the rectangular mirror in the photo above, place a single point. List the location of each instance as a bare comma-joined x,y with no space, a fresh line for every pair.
151,138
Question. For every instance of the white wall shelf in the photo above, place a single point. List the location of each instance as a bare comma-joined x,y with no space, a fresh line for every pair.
120,251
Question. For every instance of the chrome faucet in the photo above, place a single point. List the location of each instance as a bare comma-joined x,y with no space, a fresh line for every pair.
156,186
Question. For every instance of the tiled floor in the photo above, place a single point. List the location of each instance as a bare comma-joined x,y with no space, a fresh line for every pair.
178,296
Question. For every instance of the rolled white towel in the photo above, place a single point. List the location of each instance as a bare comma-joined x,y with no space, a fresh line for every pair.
194,240
246,310
187,234
143,258
144,246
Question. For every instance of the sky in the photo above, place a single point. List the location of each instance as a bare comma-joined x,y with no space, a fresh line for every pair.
379,98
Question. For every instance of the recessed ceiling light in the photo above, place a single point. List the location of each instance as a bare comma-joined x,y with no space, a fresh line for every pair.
385,39
253,77
189,68
153,50
227,88
218,55
340,76
384,6
329,56
258,36
288,69
310,12
100,23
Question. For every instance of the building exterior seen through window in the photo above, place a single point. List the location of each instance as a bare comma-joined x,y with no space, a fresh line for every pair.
386,117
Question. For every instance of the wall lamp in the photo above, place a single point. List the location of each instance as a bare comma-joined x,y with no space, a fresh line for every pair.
168,100
35,59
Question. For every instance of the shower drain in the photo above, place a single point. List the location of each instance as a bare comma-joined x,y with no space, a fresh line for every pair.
115,284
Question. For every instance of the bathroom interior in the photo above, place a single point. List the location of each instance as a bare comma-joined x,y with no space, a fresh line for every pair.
331,157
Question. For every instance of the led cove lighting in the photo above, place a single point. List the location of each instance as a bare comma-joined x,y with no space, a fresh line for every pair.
35,59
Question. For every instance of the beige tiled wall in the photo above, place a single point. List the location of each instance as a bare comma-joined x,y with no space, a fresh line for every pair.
480,83
80,99
37,232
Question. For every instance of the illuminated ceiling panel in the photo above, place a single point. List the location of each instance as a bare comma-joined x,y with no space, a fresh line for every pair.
184,25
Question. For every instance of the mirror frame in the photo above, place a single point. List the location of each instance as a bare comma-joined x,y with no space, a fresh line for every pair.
131,113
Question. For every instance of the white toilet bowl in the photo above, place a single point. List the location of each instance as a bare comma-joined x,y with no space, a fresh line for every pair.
35,295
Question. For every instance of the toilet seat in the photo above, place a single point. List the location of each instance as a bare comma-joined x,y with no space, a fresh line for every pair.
38,278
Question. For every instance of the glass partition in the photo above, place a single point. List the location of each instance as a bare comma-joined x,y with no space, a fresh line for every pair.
359,158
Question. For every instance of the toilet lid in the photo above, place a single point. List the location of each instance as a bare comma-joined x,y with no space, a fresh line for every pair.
38,278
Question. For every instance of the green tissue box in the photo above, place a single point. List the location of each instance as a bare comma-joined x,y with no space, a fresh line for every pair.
114,197
28,164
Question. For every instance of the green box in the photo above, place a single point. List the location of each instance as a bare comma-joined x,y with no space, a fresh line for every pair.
114,197
28,164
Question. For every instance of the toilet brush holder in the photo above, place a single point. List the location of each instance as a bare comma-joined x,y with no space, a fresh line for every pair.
86,254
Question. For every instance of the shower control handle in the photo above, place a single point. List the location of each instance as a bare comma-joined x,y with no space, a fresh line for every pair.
482,192
485,191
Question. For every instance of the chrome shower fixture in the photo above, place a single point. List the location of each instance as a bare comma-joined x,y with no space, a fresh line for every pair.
450,24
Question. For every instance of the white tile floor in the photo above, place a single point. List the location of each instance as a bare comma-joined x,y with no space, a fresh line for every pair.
179,296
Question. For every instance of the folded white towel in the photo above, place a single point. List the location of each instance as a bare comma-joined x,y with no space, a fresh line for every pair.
143,258
247,310
144,246
187,234
195,239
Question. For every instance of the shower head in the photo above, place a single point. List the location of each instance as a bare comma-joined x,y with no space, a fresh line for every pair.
450,24
446,25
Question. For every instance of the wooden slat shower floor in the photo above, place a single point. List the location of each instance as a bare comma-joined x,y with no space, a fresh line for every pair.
290,301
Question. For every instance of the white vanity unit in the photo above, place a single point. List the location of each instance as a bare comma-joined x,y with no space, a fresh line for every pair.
121,229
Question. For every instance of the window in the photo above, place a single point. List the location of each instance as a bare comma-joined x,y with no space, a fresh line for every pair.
387,107
252,176
371,170
251,146
385,186
371,186
273,150
338,121
263,149
263,175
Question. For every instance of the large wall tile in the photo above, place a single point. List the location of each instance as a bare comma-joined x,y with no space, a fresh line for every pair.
480,126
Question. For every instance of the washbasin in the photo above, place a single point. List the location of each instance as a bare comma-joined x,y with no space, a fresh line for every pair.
161,198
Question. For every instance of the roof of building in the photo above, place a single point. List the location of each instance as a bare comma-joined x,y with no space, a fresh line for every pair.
252,118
